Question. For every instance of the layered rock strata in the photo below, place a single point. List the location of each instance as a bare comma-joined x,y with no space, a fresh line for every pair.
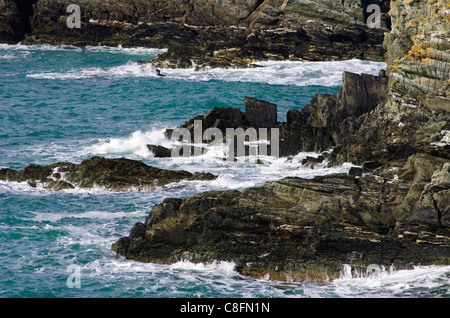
415,117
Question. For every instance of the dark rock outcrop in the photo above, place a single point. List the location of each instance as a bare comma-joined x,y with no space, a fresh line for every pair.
112,174
322,124
328,121
159,151
416,115
15,20
260,113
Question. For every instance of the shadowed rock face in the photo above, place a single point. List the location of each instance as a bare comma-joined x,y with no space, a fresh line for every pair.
15,19
113,174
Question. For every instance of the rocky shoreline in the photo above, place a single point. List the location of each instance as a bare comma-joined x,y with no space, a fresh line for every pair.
393,211
205,33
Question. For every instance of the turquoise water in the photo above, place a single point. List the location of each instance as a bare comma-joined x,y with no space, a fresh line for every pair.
69,104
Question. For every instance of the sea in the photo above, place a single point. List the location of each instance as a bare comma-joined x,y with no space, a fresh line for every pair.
66,103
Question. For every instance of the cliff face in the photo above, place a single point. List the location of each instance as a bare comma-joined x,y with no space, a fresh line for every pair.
418,54
213,33
15,19
416,115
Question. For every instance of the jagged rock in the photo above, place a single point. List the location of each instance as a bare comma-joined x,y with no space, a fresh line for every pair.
319,126
160,151
113,174
312,161
260,113
416,113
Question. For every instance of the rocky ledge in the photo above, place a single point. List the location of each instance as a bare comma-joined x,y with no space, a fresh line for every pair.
112,174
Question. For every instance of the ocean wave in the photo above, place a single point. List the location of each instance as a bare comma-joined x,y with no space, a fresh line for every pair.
389,282
135,144
131,69
328,74
39,47
124,50
11,52
104,215
245,172
291,73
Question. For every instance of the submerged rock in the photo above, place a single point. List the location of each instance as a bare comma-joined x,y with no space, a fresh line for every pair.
160,151
112,174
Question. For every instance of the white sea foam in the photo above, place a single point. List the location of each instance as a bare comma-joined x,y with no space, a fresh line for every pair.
135,144
55,217
39,47
127,50
9,56
130,69
282,73
20,187
215,266
117,266
272,72
389,282
239,175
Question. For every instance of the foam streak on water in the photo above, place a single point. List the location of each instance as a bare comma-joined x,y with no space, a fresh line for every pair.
328,74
